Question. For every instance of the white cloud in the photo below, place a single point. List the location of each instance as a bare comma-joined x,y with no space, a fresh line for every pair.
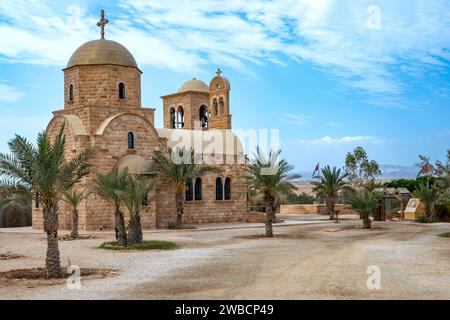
10,94
414,38
327,140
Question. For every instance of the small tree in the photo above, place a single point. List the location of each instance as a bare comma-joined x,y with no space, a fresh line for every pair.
133,195
74,198
108,186
429,196
271,177
365,203
331,183
359,169
180,168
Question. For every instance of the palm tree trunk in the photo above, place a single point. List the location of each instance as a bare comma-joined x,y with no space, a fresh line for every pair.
180,207
74,232
121,235
331,205
366,221
270,216
135,230
52,260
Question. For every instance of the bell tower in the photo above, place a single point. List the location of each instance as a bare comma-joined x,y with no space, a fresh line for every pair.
219,102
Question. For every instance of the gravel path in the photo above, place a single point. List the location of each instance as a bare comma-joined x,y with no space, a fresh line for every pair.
314,261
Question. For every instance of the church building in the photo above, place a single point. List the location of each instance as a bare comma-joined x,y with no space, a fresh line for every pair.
102,110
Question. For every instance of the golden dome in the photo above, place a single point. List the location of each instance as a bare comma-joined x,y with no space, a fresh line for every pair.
102,52
194,85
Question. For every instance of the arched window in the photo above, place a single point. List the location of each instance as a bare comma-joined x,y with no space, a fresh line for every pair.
173,118
204,116
221,106
130,140
71,92
189,191
219,189
121,90
180,118
198,189
215,108
227,188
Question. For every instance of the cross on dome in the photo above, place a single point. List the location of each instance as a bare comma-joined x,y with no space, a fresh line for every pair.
102,23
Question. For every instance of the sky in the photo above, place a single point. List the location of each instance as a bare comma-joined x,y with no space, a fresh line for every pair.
329,75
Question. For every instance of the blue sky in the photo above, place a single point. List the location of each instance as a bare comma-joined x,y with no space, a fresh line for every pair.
330,75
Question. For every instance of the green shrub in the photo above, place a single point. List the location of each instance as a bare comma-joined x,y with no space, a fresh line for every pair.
410,184
442,213
145,245
445,235
422,219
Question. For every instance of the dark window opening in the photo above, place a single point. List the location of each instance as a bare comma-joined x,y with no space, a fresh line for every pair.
204,116
130,140
215,108
121,90
228,189
219,189
71,92
189,191
198,189
173,118
221,106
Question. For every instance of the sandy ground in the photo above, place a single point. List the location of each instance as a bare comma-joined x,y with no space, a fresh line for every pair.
323,260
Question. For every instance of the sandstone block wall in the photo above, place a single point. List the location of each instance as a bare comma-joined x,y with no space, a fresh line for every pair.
98,85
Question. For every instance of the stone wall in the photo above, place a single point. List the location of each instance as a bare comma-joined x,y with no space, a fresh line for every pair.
97,85
314,209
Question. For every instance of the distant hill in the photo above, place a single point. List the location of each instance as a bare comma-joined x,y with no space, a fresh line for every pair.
389,172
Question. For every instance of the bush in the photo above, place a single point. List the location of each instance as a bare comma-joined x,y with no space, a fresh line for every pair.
145,245
445,235
422,219
410,184
303,198
442,213
14,215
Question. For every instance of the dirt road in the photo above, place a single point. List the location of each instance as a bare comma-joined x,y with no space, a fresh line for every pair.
320,261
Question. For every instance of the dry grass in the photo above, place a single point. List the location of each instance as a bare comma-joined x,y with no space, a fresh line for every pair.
8,255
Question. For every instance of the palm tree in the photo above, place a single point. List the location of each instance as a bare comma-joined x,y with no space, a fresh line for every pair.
181,172
45,170
16,169
108,186
429,196
331,183
365,203
74,198
132,196
270,177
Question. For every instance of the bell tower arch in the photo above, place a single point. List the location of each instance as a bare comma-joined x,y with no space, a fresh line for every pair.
219,88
